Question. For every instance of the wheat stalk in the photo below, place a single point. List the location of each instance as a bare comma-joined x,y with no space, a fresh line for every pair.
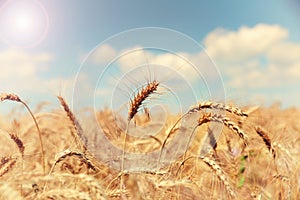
16,98
79,136
208,117
134,106
206,105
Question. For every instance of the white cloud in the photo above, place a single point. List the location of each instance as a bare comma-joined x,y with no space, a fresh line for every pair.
250,57
189,66
245,43
132,58
18,63
103,54
256,59
24,73
20,70
284,53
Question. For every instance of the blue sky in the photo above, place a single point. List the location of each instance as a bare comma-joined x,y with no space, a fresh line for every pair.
255,44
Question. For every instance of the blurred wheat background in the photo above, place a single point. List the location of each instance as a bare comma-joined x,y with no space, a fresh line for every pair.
266,168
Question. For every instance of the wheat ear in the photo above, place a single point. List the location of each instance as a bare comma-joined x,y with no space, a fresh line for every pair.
79,136
263,134
134,106
6,163
69,153
218,106
141,96
208,117
16,140
216,169
14,97
220,174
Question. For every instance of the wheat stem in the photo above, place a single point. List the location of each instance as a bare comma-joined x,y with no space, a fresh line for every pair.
14,97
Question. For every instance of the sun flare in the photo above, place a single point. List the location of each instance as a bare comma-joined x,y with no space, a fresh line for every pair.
23,23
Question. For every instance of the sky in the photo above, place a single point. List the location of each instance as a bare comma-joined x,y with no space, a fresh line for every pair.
96,52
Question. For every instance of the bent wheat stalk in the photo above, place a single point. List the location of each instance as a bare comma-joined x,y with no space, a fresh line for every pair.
199,107
16,98
69,153
218,106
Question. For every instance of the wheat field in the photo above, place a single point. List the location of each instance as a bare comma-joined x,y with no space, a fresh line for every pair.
44,155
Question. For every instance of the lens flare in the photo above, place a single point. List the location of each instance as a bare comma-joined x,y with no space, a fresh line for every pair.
23,23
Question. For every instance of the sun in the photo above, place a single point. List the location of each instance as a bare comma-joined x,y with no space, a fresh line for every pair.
23,23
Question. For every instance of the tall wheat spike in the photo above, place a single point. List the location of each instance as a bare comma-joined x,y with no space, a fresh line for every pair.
134,106
79,138
141,96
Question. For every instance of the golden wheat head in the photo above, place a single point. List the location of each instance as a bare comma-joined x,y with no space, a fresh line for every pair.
218,106
263,134
6,163
137,101
208,117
